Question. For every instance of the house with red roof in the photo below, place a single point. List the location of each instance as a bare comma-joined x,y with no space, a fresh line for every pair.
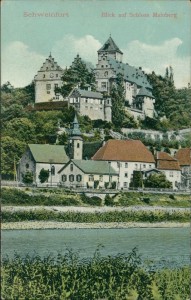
170,167
184,158
125,156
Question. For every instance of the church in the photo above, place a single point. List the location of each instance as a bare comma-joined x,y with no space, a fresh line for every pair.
139,100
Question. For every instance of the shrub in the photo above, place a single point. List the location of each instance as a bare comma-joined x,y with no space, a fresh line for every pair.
172,197
109,201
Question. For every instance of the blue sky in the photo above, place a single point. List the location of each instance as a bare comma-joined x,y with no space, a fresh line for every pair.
151,42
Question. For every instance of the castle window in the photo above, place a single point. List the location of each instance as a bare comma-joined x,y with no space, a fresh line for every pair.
78,145
78,178
44,75
126,174
126,165
104,85
106,73
64,178
86,100
71,167
56,75
53,170
48,86
102,66
125,184
71,178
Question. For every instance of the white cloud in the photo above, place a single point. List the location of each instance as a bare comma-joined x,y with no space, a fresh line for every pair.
67,48
158,57
20,64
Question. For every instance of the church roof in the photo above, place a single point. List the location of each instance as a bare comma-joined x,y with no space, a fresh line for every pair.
131,74
89,94
124,150
144,92
110,46
93,167
44,153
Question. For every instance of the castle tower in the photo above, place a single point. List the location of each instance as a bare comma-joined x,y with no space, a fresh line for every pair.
107,110
47,80
75,141
104,72
110,49
145,101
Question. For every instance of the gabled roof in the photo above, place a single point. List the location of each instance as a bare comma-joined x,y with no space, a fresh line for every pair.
89,94
44,153
50,65
92,167
110,46
167,162
124,150
131,74
144,92
184,156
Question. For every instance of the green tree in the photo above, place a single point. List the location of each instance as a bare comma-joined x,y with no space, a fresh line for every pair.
23,128
11,151
27,177
118,101
137,180
43,175
157,181
77,74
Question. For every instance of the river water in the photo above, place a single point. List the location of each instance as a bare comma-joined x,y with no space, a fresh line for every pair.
163,246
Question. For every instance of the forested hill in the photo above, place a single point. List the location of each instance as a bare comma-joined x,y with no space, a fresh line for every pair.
174,104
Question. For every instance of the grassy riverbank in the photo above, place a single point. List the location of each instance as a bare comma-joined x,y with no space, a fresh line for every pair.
69,277
61,197
97,217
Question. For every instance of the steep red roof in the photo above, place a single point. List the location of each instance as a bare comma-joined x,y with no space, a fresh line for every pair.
184,156
124,150
167,162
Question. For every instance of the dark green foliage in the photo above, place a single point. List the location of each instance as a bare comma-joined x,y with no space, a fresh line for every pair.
113,185
172,197
137,180
77,74
90,148
94,201
157,181
28,177
118,101
69,277
106,184
113,216
43,175
109,201
146,200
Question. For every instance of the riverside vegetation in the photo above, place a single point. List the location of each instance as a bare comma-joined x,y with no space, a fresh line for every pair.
61,197
67,276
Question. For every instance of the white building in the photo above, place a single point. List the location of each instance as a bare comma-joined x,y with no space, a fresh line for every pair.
170,167
88,174
91,104
38,157
47,80
184,158
125,156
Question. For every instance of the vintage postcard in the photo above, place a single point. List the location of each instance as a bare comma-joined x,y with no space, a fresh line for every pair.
95,149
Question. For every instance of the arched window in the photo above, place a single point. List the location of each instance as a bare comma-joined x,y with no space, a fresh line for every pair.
78,178
71,178
71,167
52,170
78,145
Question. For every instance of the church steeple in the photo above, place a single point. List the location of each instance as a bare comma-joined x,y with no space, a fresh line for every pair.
75,141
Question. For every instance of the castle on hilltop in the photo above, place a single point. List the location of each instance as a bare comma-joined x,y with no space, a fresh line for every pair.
139,100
